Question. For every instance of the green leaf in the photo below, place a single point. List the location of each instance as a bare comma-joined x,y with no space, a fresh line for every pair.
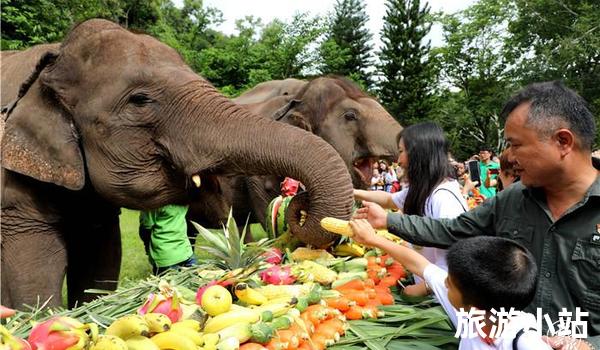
217,241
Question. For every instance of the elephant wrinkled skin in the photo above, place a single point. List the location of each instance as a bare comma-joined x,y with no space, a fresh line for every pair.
113,119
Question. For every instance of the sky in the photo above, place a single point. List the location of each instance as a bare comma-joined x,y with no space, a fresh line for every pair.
268,10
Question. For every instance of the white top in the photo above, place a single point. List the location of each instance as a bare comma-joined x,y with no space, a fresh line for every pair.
529,340
445,201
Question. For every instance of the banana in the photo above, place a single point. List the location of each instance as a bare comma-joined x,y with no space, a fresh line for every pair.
349,249
173,341
187,332
157,323
248,295
211,340
231,343
191,324
228,318
128,326
277,309
109,342
140,343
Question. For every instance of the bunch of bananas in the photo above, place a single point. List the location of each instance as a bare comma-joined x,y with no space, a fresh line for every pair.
152,331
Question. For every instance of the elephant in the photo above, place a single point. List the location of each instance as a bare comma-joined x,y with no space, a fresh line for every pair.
333,108
109,119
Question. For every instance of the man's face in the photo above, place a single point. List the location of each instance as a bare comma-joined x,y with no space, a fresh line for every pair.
484,155
536,159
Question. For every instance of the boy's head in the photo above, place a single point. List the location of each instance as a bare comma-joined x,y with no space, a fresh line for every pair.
490,273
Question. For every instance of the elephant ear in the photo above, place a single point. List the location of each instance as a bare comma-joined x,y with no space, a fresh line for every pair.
289,114
40,139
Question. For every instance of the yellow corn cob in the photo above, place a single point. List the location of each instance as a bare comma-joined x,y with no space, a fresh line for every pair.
302,253
339,226
312,271
342,227
272,291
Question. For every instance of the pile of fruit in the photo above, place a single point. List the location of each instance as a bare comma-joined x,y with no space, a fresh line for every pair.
247,296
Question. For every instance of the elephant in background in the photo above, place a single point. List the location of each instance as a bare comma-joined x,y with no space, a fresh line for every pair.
112,119
333,108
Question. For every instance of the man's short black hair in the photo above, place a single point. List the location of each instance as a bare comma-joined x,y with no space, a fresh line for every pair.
493,272
554,106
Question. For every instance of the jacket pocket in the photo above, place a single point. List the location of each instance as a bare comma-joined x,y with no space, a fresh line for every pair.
510,228
585,269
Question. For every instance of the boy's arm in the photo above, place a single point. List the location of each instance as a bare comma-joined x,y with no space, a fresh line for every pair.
410,259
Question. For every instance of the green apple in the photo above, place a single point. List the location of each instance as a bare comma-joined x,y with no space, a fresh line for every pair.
216,300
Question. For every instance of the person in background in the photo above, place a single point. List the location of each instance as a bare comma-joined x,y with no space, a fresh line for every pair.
487,169
164,233
506,175
554,210
432,191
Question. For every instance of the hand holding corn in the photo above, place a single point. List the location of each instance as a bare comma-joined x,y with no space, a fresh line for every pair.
342,227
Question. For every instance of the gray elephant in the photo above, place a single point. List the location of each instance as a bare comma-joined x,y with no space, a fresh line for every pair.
335,109
114,119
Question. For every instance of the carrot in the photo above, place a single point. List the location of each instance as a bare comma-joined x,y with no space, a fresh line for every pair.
356,284
369,283
371,293
305,345
252,346
321,342
371,311
385,298
388,281
275,344
373,260
341,303
299,331
354,313
337,324
359,297
287,336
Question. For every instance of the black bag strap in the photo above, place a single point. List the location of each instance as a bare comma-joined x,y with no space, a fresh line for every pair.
453,194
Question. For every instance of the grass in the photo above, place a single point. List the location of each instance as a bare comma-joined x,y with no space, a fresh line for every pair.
134,264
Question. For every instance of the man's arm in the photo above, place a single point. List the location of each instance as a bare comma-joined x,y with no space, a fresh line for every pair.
443,232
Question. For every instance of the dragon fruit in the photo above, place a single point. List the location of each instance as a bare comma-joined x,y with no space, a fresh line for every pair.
166,305
60,333
273,256
277,275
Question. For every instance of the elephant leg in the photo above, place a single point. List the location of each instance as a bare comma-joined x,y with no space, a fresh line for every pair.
33,263
94,260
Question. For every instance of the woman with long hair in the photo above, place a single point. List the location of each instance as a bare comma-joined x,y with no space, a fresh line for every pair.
432,187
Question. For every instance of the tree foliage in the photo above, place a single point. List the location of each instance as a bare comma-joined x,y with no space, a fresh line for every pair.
407,74
490,50
346,50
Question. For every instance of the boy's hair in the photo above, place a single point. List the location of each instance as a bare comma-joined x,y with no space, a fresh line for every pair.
493,272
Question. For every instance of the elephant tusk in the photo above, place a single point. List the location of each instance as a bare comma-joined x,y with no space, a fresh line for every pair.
196,180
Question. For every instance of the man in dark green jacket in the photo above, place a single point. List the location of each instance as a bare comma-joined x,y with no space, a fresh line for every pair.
554,211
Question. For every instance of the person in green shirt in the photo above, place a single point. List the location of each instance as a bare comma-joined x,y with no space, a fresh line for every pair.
485,165
554,210
164,233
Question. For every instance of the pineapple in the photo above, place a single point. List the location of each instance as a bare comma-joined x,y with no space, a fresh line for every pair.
228,251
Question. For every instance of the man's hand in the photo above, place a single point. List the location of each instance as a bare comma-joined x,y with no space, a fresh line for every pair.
566,343
375,214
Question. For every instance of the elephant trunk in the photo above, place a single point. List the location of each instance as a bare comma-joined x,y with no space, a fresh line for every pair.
241,143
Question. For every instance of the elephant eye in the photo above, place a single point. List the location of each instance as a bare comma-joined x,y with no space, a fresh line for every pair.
140,99
350,115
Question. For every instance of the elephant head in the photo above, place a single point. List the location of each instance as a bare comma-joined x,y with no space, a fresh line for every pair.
122,115
338,111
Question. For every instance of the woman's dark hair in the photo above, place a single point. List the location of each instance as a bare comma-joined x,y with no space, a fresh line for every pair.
428,163
493,272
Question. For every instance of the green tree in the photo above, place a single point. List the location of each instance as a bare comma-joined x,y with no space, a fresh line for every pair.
553,39
407,74
475,75
346,50
30,22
